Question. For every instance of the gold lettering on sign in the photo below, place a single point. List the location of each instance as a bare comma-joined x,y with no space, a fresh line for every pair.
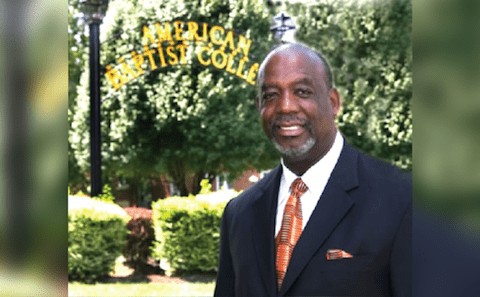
182,48
127,70
173,42
174,59
219,65
200,58
229,41
160,54
205,32
213,37
230,63
115,78
178,30
149,52
192,31
138,61
164,34
240,68
147,35
252,73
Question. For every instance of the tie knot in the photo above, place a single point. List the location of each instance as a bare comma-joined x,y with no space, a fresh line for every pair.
298,187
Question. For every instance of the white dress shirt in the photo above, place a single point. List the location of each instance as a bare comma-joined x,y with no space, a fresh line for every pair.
316,178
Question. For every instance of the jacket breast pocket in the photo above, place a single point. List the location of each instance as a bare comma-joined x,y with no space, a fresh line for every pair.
361,275
355,263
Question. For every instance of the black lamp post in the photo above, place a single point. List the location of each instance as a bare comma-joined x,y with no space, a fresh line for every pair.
283,28
93,12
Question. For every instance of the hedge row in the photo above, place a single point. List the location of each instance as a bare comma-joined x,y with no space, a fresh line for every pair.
96,236
187,231
187,235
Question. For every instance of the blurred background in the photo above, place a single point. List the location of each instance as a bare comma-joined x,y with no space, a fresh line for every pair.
33,174
446,167
34,150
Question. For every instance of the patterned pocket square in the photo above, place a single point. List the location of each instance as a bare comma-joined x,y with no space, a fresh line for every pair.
336,254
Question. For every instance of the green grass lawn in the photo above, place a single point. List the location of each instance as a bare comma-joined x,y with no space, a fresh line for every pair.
194,285
154,289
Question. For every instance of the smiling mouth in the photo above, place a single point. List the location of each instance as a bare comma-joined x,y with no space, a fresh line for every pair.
289,128
289,125
286,130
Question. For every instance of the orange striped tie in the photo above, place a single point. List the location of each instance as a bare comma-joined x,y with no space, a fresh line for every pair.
291,228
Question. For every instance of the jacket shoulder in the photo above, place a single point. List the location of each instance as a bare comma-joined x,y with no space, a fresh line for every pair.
385,182
386,174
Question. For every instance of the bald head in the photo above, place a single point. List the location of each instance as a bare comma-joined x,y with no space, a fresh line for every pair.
298,105
294,49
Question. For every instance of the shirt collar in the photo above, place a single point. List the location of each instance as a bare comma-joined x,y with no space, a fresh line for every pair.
318,174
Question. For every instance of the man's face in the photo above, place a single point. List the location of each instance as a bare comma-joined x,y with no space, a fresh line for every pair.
297,107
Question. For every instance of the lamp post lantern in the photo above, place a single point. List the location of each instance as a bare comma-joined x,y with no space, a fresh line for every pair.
93,12
283,28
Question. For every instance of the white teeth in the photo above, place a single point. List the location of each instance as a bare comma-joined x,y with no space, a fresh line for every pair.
290,128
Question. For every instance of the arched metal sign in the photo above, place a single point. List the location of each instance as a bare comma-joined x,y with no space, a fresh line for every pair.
168,44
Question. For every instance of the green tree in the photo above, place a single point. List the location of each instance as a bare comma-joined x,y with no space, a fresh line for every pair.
369,49
181,120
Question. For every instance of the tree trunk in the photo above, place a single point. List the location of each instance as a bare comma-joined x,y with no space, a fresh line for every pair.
158,188
196,179
133,193
177,171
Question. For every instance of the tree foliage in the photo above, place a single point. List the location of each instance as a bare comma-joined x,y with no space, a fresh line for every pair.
179,119
369,49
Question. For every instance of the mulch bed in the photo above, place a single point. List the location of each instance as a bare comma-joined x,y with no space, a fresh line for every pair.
155,278
138,212
128,276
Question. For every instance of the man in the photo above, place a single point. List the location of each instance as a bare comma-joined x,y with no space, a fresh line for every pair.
345,227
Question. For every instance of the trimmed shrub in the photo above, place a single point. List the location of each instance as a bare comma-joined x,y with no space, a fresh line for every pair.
96,236
187,231
106,194
139,243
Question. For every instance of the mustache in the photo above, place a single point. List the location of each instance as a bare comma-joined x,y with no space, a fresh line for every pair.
289,118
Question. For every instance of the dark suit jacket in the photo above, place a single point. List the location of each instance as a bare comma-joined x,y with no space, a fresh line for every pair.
364,210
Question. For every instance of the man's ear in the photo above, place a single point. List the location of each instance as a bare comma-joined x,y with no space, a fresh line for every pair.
335,101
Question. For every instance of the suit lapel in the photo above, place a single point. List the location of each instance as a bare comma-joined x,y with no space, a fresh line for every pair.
263,228
330,210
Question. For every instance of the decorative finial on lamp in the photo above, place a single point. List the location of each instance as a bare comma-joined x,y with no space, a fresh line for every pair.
93,10
283,28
